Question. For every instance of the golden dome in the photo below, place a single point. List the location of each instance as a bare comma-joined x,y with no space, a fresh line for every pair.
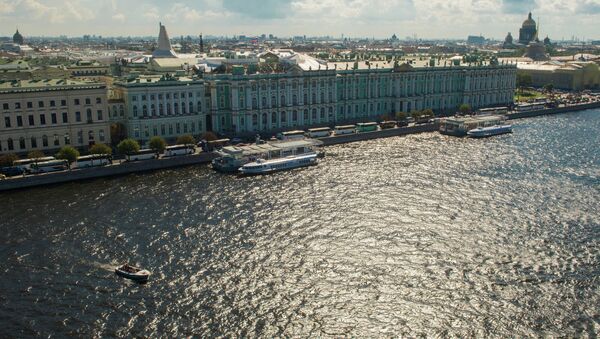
529,22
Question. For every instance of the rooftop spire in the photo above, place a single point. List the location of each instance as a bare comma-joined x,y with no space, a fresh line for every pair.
164,49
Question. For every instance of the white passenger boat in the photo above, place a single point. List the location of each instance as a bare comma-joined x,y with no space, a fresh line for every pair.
484,132
262,166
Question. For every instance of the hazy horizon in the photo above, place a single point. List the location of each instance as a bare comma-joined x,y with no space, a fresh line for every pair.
432,19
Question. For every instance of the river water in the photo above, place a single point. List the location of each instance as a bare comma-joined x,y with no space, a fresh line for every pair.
418,235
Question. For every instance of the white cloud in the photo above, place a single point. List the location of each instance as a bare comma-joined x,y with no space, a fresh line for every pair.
119,17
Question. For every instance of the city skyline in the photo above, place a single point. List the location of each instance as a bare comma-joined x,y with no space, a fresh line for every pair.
559,19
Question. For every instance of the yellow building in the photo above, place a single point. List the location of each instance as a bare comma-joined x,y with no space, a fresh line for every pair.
46,115
573,75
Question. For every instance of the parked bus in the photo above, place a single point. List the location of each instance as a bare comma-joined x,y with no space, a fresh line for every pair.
291,135
529,107
49,166
347,129
319,132
366,127
493,111
144,154
94,160
176,150
25,164
388,124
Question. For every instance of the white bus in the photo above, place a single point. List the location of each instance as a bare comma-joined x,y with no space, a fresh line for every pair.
529,107
493,110
347,129
49,166
25,164
144,154
176,150
94,160
291,135
319,132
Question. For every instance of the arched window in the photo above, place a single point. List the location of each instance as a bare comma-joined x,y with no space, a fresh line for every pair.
10,143
135,111
322,97
295,116
322,113
263,102
305,99
33,142
144,110
67,139
176,108
314,114
283,103
168,109
183,109
191,107
314,98
44,140
254,103
254,119
283,117
274,118
273,101
161,109
305,116
152,109
199,106
264,119
22,143
295,100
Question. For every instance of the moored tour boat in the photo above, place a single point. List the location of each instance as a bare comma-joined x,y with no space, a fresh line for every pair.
133,273
262,166
484,132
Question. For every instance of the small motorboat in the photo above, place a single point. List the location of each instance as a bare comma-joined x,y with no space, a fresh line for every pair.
134,273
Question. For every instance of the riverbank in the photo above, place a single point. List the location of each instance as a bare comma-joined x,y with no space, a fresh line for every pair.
205,158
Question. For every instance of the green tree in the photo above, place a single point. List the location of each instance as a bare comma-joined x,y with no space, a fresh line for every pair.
549,88
7,160
35,154
128,146
186,140
158,144
68,153
209,136
523,80
464,109
100,149
401,116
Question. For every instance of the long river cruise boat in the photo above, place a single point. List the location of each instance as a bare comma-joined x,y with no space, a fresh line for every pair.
232,158
484,132
262,166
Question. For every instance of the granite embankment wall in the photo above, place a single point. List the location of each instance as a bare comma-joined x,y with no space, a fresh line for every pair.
101,172
386,133
551,111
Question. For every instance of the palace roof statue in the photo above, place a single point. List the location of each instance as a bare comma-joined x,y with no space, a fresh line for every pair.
164,49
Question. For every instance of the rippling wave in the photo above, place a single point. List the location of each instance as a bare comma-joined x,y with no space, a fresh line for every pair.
419,235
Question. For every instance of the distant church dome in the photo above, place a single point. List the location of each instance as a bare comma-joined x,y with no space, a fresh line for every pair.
529,22
18,38
528,32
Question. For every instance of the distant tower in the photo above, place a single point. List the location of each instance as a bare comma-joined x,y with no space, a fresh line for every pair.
164,49
201,44
18,38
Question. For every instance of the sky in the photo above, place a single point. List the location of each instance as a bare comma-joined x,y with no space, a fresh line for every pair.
559,19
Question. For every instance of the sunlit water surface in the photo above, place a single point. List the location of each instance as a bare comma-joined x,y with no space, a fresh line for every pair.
418,235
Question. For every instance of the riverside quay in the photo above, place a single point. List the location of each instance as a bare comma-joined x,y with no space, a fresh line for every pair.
304,92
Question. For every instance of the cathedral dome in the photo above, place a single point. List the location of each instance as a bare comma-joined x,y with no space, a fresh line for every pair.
18,38
529,23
